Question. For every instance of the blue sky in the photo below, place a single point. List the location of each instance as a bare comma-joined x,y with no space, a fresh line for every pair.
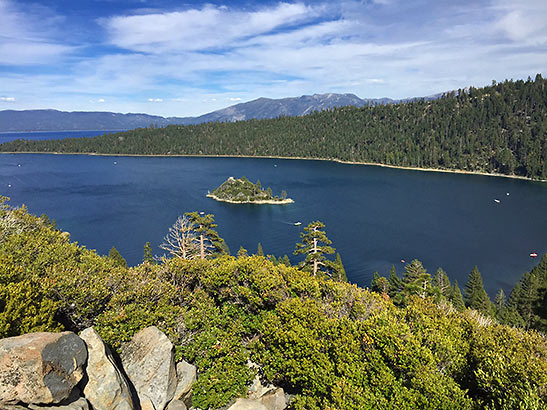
186,58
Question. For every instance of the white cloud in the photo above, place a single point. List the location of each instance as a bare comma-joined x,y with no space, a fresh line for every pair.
155,100
7,99
234,99
200,29
101,100
27,35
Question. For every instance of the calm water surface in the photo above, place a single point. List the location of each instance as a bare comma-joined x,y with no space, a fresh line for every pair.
375,216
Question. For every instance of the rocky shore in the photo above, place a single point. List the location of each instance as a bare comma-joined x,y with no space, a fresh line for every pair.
64,371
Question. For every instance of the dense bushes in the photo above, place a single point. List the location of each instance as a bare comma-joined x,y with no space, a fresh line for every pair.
330,344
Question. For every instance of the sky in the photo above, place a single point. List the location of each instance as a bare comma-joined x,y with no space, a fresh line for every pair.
187,58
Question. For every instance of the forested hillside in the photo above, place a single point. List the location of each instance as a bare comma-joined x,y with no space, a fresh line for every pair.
330,344
501,128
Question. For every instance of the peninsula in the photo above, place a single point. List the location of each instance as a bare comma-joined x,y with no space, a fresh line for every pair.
243,191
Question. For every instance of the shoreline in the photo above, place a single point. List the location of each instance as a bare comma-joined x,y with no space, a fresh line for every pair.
262,202
450,171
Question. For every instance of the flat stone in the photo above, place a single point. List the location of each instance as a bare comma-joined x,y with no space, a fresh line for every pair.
247,404
73,402
274,400
149,362
186,375
40,368
176,405
106,387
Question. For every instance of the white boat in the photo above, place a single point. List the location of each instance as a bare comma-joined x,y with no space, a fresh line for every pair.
497,201
297,223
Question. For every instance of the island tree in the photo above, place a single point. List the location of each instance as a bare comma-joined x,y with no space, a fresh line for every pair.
315,245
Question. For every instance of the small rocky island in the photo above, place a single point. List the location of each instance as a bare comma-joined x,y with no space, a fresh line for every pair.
243,191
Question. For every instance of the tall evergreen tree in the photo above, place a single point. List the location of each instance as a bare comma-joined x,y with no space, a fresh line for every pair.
148,257
499,305
441,281
259,250
474,294
416,280
395,282
379,283
337,269
208,239
456,297
117,258
312,238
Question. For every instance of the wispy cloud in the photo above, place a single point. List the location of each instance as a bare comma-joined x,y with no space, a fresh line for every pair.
7,99
190,60
205,28
27,35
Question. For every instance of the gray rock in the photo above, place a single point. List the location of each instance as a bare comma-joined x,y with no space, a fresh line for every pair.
40,368
274,400
146,404
186,375
176,405
106,387
247,404
73,402
149,362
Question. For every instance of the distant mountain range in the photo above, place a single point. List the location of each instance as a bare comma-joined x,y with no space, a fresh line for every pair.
53,120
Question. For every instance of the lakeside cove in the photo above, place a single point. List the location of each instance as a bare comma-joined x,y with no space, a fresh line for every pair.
373,164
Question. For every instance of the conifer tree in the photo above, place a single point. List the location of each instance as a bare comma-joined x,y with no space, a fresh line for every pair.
441,281
394,282
416,280
117,258
286,261
311,238
208,239
528,296
379,283
148,257
259,250
499,305
456,297
338,271
474,294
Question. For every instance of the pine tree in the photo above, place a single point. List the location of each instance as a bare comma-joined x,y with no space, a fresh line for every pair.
338,271
311,238
116,258
395,282
286,261
441,281
499,304
379,283
259,250
416,280
474,294
456,297
208,239
529,285
148,257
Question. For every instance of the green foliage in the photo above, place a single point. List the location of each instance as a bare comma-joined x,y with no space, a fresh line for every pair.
24,308
329,343
209,240
456,297
312,238
474,294
116,258
499,128
147,255
243,190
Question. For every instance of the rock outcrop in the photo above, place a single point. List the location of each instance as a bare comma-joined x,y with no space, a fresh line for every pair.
149,362
186,375
40,368
106,387
45,371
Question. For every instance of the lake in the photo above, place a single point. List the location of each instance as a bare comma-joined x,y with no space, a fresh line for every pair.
375,216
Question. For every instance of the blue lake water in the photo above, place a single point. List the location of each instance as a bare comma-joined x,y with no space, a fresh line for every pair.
48,135
374,216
